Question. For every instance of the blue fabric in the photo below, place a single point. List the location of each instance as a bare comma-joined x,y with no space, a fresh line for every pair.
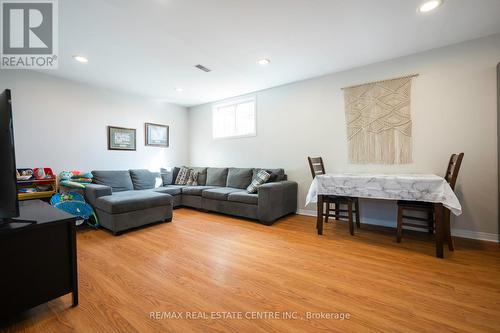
73,203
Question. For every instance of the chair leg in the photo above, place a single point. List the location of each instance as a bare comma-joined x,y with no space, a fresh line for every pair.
327,213
320,206
399,230
337,211
351,223
358,218
447,224
430,217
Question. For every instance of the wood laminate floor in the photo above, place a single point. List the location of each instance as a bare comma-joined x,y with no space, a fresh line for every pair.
203,263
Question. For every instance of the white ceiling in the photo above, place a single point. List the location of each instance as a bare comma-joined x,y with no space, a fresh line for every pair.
150,47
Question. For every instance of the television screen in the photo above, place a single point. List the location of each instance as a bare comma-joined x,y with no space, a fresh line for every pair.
9,206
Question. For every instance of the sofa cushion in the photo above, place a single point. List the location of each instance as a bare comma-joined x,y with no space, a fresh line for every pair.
239,177
117,180
196,190
202,175
216,176
169,189
169,176
129,201
143,179
219,193
243,197
277,175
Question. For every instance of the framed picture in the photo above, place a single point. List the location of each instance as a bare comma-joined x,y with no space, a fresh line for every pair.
120,138
157,135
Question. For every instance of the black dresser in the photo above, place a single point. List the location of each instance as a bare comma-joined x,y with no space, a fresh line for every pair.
37,261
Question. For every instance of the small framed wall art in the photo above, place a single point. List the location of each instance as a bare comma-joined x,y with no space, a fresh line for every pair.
120,138
157,135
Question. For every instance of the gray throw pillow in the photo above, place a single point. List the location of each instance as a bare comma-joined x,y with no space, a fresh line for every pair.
260,178
169,176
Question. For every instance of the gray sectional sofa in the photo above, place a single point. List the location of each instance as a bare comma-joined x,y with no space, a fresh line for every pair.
131,198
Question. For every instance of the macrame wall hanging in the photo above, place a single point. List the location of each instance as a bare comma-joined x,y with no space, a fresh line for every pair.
378,121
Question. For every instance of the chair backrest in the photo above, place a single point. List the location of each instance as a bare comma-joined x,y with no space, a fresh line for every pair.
317,166
453,168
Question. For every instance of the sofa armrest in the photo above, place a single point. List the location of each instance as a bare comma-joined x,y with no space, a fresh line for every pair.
95,191
276,200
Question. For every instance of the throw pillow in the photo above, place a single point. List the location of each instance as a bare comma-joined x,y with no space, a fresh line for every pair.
261,178
183,176
193,179
276,174
169,176
202,175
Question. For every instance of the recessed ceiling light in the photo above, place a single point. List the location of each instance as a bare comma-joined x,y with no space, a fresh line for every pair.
179,89
263,62
81,59
429,6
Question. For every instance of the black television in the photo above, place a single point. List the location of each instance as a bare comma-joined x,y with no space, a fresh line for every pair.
9,205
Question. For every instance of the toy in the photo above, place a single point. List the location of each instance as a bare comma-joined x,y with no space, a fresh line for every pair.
74,204
79,175
75,179
70,184
43,173
24,174
27,190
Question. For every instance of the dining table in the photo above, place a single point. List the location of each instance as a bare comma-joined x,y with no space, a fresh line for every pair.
428,188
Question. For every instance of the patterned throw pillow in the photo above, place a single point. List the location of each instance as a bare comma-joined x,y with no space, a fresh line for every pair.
193,179
183,176
261,178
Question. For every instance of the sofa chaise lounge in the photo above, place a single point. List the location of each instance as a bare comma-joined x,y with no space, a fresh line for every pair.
131,198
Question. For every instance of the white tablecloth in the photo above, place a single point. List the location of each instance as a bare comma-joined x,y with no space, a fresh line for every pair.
415,187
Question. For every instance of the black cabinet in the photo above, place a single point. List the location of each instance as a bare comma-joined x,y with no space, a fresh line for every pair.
37,261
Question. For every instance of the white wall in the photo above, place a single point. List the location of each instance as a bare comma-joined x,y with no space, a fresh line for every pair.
453,110
62,124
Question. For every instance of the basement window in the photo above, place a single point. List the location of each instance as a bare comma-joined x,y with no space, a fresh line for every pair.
234,119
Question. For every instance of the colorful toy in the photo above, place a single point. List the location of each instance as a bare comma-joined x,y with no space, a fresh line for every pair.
43,173
75,179
78,175
71,184
73,203
64,175
24,174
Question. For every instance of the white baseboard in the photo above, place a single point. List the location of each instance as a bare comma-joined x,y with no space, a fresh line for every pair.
485,236
306,212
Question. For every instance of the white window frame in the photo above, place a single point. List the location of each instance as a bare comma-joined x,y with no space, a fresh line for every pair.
246,99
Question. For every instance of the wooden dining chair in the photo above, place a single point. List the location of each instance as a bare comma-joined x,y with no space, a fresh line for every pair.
428,223
318,168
